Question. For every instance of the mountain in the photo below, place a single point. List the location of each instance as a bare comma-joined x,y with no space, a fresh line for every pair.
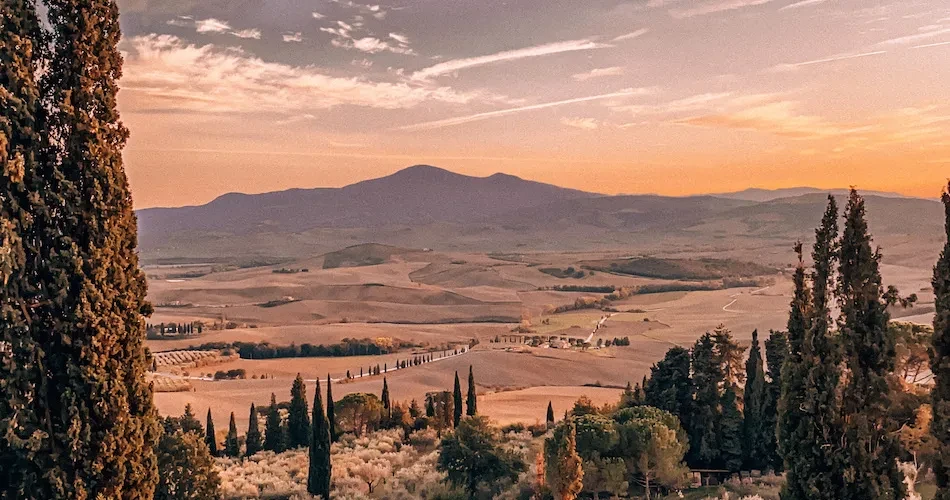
416,195
758,194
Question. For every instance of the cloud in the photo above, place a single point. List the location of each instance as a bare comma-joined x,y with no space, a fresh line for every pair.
924,33
165,73
598,73
293,37
581,123
802,3
248,33
778,118
714,7
691,103
458,120
454,65
632,35
374,10
181,21
212,26
343,37
402,39
938,44
317,15
840,57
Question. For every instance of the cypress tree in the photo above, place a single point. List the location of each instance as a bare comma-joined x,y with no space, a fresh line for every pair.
298,419
387,409
871,450
232,447
190,423
273,428
704,438
549,418
253,442
940,360
730,431
670,386
471,404
331,412
776,347
210,438
318,478
457,402
754,430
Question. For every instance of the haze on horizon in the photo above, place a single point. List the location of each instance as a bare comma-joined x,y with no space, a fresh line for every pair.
604,96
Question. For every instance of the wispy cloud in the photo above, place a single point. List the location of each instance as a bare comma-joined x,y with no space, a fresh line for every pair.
165,73
713,7
248,33
345,38
454,65
802,3
581,123
840,57
212,26
317,15
779,118
632,35
923,34
458,120
598,73
938,44
685,104
293,37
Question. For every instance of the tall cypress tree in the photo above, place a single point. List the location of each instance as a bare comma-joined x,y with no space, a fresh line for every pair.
549,417
232,447
298,419
274,438
870,454
331,412
471,404
457,402
704,437
387,407
210,438
318,478
940,360
753,407
730,431
776,349
85,304
253,442
670,386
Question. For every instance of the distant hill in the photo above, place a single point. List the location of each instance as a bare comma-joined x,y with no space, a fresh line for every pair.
758,194
427,207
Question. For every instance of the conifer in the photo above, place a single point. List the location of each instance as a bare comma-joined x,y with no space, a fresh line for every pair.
331,412
776,348
457,402
298,419
471,403
670,386
253,440
210,438
232,446
940,360
274,438
549,418
318,477
755,434
387,408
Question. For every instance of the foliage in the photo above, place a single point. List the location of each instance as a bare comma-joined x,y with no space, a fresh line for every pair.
470,456
320,470
940,359
232,447
565,473
359,412
253,440
210,438
185,468
471,399
754,426
670,386
456,401
776,350
274,436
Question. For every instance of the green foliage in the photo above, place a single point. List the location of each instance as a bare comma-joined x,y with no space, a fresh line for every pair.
210,438
331,412
298,419
359,412
471,400
670,386
605,475
232,447
776,350
189,422
730,432
595,435
274,437
653,452
457,401
253,439
385,397
754,405
186,468
940,360
681,269
707,376
470,456
564,471
549,416
318,477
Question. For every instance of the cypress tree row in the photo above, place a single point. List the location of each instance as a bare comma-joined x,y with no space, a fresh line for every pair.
298,419
870,454
331,412
273,428
754,427
232,447
318,478
253,442
940,360
457,402
210,439
471,404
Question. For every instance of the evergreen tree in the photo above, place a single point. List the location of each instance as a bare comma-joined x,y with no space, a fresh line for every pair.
185,468
549,418
273,428
707,377
940,360
232,447
670,386
189,422
387,408
565,472
298,419
210,438
730,432
331,412
870,454
471,403
457,402
730,356
754,428
318,478
776,348
253,442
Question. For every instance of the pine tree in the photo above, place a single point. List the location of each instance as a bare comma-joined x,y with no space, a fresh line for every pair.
776,349
189,422
457,402
274,438
670,386
318,478
871,450
253,442
232,447
210,438
471,404
730,431
549,418
387,408
331,412
940,360
755,433
298,419
707,377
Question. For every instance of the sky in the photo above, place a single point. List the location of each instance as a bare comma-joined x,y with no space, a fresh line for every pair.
674,97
